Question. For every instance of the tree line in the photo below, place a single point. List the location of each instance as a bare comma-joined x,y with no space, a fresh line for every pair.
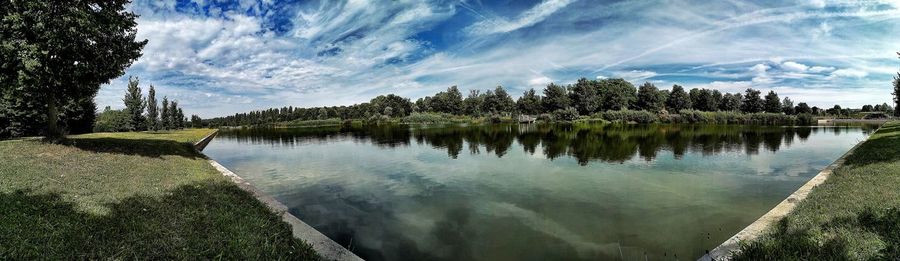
142,114
584,97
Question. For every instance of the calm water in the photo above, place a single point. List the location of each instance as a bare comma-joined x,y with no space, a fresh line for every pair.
528,192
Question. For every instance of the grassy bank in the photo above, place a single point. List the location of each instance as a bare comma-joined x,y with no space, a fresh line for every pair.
130,196
855,214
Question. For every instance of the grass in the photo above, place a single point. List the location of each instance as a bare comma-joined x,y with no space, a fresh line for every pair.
854,215
135,195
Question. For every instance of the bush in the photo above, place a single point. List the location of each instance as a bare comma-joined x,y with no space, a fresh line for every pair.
112,121
705,117
568,114
311,123
628,116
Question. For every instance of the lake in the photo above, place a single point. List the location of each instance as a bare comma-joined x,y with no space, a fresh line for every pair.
531,192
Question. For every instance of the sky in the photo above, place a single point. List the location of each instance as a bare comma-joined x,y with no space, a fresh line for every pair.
220,57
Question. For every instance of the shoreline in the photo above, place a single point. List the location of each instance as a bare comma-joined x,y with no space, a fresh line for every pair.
726,250
324,246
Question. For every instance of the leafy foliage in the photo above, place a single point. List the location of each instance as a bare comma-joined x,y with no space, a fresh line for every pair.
678,99
60,51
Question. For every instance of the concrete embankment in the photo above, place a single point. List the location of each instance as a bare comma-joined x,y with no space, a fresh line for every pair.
730,247
324,246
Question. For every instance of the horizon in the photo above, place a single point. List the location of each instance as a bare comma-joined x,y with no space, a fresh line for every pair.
218,59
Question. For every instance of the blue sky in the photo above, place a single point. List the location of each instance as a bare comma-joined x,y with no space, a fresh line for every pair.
221,57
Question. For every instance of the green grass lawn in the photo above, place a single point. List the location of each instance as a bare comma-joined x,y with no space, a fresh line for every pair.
854,215
133,195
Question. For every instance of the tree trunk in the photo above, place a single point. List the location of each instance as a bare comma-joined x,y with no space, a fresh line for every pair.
53,132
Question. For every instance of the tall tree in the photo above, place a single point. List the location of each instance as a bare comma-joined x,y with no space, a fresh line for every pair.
555,98
180,118
803,108
773,103
164,114
616,94
152,109
173,114
897,94
400,107
787,106
678,99
447,102
498,101
584,96
649,98
134,104
752,102
731,102
60,51
529,103
472,103
196,122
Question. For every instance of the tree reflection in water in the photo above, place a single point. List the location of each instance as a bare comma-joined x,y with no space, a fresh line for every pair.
586,142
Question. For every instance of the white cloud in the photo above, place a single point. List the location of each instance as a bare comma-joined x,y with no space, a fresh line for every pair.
636,75
819,69
528,18
233,56
794,66
848,73
817,3
539,81
759,68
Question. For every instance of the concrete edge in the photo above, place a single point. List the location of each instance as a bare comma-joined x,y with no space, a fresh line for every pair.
324,246
201,144
732,246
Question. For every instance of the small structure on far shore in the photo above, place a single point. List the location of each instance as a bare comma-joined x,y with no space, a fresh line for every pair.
526,119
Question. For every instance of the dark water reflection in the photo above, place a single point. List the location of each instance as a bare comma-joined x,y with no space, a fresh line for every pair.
531,192
584,142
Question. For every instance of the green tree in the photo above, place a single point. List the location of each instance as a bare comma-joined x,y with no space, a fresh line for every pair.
173,114
584,96
787,106
323,114
897,94
59,51
113,120
752,102
649,98
616,94
867,108
400,107
529,103
678,99
773,103
803,108
79,115
705,99
180,118
196,122
134,104
731,102
555,98
473,103
498,101
447,102
152,109
164,114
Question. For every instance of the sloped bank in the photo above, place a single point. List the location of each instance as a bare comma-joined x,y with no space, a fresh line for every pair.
324,246
830,216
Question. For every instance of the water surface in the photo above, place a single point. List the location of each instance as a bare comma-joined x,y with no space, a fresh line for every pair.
531,192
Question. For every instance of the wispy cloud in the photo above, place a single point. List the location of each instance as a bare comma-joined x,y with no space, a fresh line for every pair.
221,57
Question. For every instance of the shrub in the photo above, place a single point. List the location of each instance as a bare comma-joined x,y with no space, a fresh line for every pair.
112,121
629,116
568,114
